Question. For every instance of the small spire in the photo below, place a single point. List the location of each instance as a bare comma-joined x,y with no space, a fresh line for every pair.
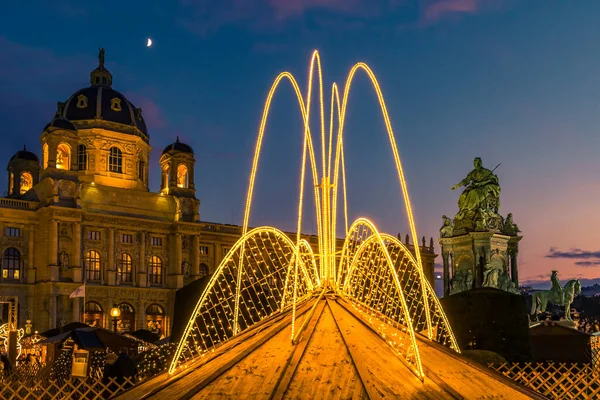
24,147
177,140
101,58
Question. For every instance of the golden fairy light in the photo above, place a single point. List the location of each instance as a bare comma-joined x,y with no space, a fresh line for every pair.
267,273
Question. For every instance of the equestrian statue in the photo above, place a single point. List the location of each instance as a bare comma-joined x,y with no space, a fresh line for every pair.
557,295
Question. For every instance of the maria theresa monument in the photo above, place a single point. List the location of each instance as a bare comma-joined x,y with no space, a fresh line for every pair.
479,245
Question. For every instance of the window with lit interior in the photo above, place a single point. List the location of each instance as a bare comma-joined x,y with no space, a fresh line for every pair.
115,160
26,182
182,176
156,271
92,265
124,269
11,265
82,159
63,156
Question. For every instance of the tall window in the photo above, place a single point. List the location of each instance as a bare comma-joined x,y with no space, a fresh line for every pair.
156,272
26,182
45,155
182,176
63,156
82,159
12,232
203,270
155,319
11,183
93,314
11,264
164,178
92,265
124,269
141,167
115,160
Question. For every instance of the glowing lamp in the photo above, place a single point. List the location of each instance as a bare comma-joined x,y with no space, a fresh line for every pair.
115,312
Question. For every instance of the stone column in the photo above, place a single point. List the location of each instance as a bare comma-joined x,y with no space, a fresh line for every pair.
76,263
30,277
477,270
195,261
142,276
53,256
76,309
52,312
54,243
445,256
111,273
175,276
514,268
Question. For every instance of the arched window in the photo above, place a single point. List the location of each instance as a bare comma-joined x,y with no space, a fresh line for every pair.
164,178
26,182
126,321
45,155
82,159
63,156
124,269
92,265
155,319
93,314
203,270
115,160
182,176
11,264
156,271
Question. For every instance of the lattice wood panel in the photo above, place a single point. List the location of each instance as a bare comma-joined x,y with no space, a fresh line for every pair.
73,388
555,380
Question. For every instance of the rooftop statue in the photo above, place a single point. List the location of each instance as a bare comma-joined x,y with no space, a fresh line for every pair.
480,200
482,190
557,295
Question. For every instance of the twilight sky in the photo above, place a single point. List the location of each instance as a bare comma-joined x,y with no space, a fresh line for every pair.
511,81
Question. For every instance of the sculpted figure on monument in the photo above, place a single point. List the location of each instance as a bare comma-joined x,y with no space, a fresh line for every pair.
481,194
446,229
510,226
557,295
462,280
491,275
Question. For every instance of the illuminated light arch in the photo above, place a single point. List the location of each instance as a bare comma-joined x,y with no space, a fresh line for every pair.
412,302
266,289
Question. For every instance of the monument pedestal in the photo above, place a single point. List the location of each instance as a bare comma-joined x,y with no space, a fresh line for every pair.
465,256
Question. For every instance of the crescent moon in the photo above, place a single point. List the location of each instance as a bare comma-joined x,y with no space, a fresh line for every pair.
149,42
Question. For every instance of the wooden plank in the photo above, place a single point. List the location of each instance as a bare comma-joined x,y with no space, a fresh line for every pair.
326,369
293,361
383,374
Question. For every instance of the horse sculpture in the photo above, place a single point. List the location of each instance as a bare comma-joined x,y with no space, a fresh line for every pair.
562,297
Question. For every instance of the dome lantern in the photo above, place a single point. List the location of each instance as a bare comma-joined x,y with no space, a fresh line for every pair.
101,76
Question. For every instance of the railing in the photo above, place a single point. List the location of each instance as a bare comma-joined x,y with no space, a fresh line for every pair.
14,203
222,228
555,380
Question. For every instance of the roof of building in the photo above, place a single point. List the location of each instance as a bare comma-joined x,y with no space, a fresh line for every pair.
61,123
100,104
25,155
338,353
179,147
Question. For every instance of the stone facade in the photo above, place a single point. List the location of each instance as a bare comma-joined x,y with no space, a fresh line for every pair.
84,215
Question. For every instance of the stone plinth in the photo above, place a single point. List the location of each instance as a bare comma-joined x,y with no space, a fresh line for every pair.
469,253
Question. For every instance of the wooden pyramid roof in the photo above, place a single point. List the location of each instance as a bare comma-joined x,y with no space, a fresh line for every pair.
338,356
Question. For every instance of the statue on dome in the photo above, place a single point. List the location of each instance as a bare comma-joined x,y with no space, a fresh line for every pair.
101,57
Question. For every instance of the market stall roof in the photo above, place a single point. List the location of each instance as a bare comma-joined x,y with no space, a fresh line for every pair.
89,338
63,329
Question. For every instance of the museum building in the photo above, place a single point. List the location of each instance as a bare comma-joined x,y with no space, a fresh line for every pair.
83,213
